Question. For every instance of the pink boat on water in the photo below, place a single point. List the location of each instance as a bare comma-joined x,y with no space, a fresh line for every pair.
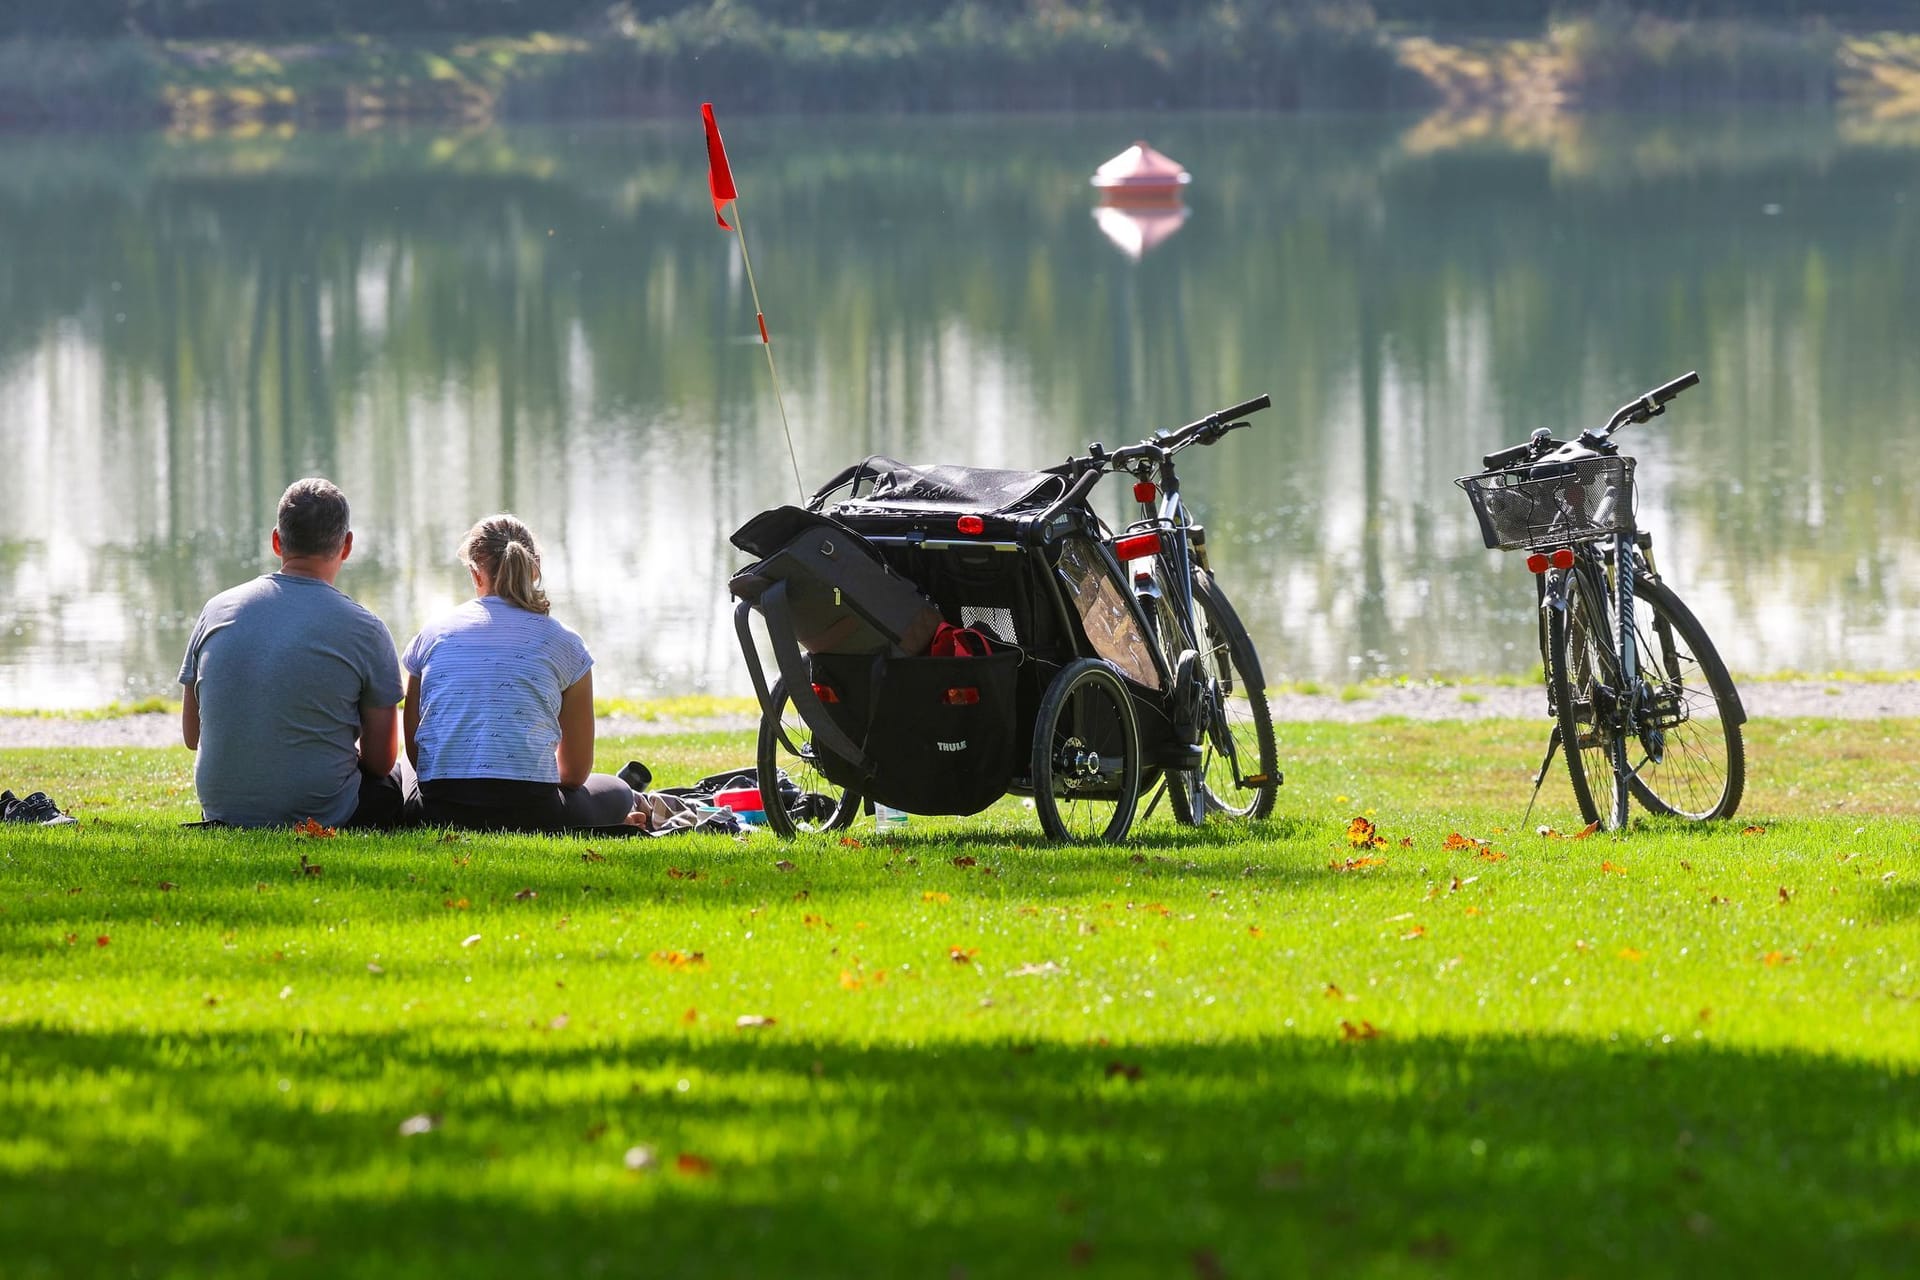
1141,175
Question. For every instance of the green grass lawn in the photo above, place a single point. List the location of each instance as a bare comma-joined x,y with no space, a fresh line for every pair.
956,1051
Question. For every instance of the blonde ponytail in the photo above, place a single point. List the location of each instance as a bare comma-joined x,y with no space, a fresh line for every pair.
502,550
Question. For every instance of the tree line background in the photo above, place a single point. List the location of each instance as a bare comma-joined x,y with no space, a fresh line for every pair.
255,19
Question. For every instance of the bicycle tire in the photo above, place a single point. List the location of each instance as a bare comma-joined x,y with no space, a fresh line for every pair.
1698,771
774,756
1582,674
1239,730
1086,756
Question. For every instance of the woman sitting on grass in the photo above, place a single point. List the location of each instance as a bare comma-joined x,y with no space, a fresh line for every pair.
499,716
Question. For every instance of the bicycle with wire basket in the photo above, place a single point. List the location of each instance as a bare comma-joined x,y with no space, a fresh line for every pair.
1642,704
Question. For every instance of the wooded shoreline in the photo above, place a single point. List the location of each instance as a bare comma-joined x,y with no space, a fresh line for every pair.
954,63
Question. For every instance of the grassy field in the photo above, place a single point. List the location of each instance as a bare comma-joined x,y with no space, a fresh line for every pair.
955,1051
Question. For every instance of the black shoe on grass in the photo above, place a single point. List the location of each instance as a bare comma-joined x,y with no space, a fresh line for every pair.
36,808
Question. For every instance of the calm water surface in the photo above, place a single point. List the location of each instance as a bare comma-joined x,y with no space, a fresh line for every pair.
550,322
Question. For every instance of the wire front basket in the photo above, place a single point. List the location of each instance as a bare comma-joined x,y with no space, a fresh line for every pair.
1521,509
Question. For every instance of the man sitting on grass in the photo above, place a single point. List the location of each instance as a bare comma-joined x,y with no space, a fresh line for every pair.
292,688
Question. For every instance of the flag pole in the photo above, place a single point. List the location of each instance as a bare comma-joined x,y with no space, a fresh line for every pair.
766,344
720,185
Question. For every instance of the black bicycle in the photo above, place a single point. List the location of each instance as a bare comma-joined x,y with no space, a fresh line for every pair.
1642,703
946,635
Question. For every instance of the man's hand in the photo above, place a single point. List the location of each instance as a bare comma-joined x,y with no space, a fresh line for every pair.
379,739
190,719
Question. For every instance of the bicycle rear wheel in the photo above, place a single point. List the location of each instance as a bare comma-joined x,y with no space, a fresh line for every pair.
1583,677
1239,773
1688,743
1086,756
811,802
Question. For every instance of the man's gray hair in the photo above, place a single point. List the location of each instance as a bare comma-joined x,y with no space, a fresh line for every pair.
313,519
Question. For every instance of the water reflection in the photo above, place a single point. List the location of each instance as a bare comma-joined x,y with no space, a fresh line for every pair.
549,322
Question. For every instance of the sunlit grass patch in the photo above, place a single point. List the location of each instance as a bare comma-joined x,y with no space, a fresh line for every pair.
1690,1050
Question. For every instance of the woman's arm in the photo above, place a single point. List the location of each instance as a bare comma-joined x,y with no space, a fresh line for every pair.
575,752
410,720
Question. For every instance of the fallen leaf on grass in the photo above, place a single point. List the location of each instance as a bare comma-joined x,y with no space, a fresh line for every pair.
691,1165
1255,931
1356,864
1755,830
1611,869
526,894
962,955
1363,1031
591,856
310,868
1585,831
675,873
1127,1069
934,895
167,886
1786,895
1418,931
1333,992
456,904
965,860
690,1017
679,959
783,865
747,1021
1632,953
1362,834
314,831
102,940
1473,911
815,922
848,842
1456,841
1774,959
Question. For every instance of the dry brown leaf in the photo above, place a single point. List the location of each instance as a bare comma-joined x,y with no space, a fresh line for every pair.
1363,1031
591,856
1755,830
1632,953
312,830
747,1021
1418,931
962,955
1774,959
1611,869
1585,831
1786,895
965,860
691,1165
934,895
1129,1070
525,895
1356,864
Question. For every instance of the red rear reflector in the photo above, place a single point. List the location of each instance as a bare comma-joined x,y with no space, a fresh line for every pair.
1562,559
1138,546
1536,563
1145,491
961,697
971,524
825,693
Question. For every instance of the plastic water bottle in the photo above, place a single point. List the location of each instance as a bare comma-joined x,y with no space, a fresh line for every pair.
888,818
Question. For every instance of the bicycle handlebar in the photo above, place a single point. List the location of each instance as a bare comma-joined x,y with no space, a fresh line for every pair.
1205,430
1643,407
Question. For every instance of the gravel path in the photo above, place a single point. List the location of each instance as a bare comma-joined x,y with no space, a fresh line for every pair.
1842,700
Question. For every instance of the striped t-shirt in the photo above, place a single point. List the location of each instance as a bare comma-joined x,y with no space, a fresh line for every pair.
491,676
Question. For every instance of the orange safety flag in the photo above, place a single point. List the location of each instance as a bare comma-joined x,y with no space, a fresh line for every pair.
719,174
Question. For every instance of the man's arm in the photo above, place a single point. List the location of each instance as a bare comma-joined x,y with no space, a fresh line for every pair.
190,719
575,752
411,720
379,739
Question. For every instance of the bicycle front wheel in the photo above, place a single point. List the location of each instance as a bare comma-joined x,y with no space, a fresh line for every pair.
1691,757
1239,774
1583,677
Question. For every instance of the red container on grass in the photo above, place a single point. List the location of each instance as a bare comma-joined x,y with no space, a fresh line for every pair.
744,801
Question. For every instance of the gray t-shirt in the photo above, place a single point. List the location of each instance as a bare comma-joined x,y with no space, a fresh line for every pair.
282,667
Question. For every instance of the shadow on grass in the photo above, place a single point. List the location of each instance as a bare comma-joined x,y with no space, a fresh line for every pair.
182,1154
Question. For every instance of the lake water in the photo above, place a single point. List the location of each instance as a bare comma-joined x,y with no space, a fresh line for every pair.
550,322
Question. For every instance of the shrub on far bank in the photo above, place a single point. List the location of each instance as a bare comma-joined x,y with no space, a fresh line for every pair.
1615,58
